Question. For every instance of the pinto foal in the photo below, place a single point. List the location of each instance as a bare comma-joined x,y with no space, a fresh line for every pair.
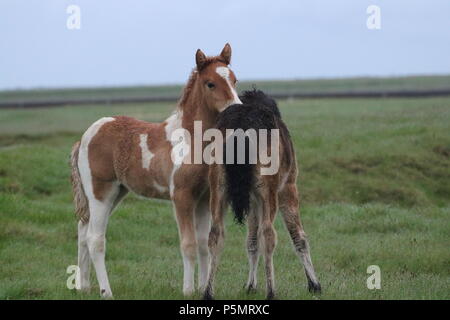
121,154
255,196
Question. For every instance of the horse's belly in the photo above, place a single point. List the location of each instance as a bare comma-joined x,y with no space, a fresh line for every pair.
151,182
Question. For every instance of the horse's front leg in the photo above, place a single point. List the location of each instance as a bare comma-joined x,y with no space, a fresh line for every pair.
202,225
184,205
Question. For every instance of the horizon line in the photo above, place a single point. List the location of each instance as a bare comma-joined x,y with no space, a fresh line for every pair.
178,84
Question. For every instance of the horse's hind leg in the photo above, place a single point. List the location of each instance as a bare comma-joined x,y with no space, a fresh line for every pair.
289,207
269,237
83,256
253,247
84,262
100,211
217,232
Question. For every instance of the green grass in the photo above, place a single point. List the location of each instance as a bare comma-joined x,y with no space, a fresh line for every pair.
282,87
375,187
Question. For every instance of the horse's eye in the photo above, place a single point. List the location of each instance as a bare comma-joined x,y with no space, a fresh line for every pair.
211,85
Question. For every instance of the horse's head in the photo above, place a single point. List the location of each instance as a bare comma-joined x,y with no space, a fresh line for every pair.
216,81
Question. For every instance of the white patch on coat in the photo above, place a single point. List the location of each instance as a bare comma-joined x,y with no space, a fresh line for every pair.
172,175
160,188
179,154
188,278
224,72
146,154
173,123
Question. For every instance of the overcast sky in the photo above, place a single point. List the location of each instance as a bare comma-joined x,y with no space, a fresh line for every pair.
141,42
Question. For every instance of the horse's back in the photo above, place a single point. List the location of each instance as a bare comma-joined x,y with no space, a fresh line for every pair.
113,141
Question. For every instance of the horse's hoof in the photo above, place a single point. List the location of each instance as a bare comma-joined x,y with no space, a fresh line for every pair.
107,295
208,295
188,293
250,288
270,295
314,288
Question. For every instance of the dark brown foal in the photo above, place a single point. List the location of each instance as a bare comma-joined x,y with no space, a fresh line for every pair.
256,189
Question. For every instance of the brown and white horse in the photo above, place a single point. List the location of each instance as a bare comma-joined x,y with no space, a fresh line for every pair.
121,154
255,193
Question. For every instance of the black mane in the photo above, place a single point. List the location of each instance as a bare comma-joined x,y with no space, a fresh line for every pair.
258,111
260,99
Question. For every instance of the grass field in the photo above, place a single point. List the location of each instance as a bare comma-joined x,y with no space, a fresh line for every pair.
375,187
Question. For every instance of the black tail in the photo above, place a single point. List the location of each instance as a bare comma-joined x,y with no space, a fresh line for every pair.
239,181
257,112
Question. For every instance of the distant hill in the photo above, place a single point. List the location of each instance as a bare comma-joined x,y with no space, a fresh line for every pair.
281,87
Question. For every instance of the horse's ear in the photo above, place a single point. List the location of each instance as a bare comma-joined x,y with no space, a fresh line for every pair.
226,53
200,59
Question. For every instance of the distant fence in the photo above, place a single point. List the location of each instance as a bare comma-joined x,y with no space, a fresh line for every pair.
299,95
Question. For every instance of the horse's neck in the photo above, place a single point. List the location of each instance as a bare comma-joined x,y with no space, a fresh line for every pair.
195,109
